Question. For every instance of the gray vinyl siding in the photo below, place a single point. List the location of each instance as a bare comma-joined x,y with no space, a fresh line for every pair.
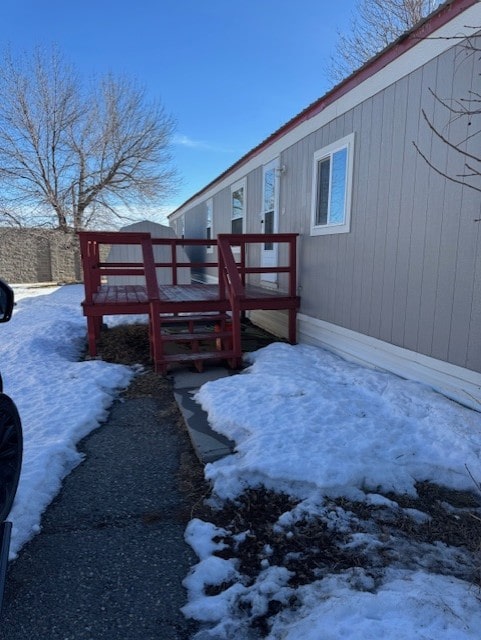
222,211
409,270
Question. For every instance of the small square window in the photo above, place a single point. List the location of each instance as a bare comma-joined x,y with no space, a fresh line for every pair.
332,182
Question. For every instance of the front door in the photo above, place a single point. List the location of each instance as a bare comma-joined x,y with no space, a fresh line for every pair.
270,218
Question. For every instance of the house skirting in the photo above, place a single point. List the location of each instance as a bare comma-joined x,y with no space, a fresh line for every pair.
457,383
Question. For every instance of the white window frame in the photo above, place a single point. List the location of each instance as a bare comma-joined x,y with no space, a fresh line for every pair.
240,184
327,152
210,207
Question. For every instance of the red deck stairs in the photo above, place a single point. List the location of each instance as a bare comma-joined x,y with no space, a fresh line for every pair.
203,321
206,336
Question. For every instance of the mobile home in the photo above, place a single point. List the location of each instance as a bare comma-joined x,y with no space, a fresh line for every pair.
389,252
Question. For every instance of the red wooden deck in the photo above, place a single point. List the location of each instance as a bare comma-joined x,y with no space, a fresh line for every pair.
183,303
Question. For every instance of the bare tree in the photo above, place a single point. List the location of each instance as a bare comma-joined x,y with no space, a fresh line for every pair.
76,154
459,127
374,25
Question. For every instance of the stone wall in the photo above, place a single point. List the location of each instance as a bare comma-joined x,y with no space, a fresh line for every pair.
38,255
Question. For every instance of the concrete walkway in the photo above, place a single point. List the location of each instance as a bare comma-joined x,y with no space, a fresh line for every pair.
111,557
208,445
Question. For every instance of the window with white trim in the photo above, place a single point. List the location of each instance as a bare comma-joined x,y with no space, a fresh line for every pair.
208,223
238,207
331,187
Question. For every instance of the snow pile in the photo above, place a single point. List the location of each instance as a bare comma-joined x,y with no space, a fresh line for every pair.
408,605
319,429
306,416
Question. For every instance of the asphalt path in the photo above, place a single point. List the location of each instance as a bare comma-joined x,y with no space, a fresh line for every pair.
110,559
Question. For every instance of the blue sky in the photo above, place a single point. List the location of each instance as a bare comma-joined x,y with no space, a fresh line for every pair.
230,72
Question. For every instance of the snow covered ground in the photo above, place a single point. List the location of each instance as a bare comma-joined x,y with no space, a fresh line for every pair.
316,427
60,399
306,423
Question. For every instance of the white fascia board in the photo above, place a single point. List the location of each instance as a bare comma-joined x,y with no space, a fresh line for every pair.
457,383
463,25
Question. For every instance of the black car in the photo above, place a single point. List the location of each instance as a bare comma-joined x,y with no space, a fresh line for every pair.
11,447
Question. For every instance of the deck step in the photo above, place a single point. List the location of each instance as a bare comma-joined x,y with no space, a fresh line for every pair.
207,336
201,355
191,337
201,317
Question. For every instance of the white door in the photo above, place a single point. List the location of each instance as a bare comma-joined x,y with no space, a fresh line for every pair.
270,217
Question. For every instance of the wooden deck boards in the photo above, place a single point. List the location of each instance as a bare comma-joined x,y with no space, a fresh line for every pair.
137,295
188,292
121,294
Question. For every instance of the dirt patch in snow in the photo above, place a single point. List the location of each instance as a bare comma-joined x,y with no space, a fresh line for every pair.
439,532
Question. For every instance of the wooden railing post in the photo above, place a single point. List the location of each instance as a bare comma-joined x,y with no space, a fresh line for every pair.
150,273
234,288
173,245
293,266
243,263
221,275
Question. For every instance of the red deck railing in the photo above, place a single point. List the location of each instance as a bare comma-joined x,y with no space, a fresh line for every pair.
234,293
245,239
